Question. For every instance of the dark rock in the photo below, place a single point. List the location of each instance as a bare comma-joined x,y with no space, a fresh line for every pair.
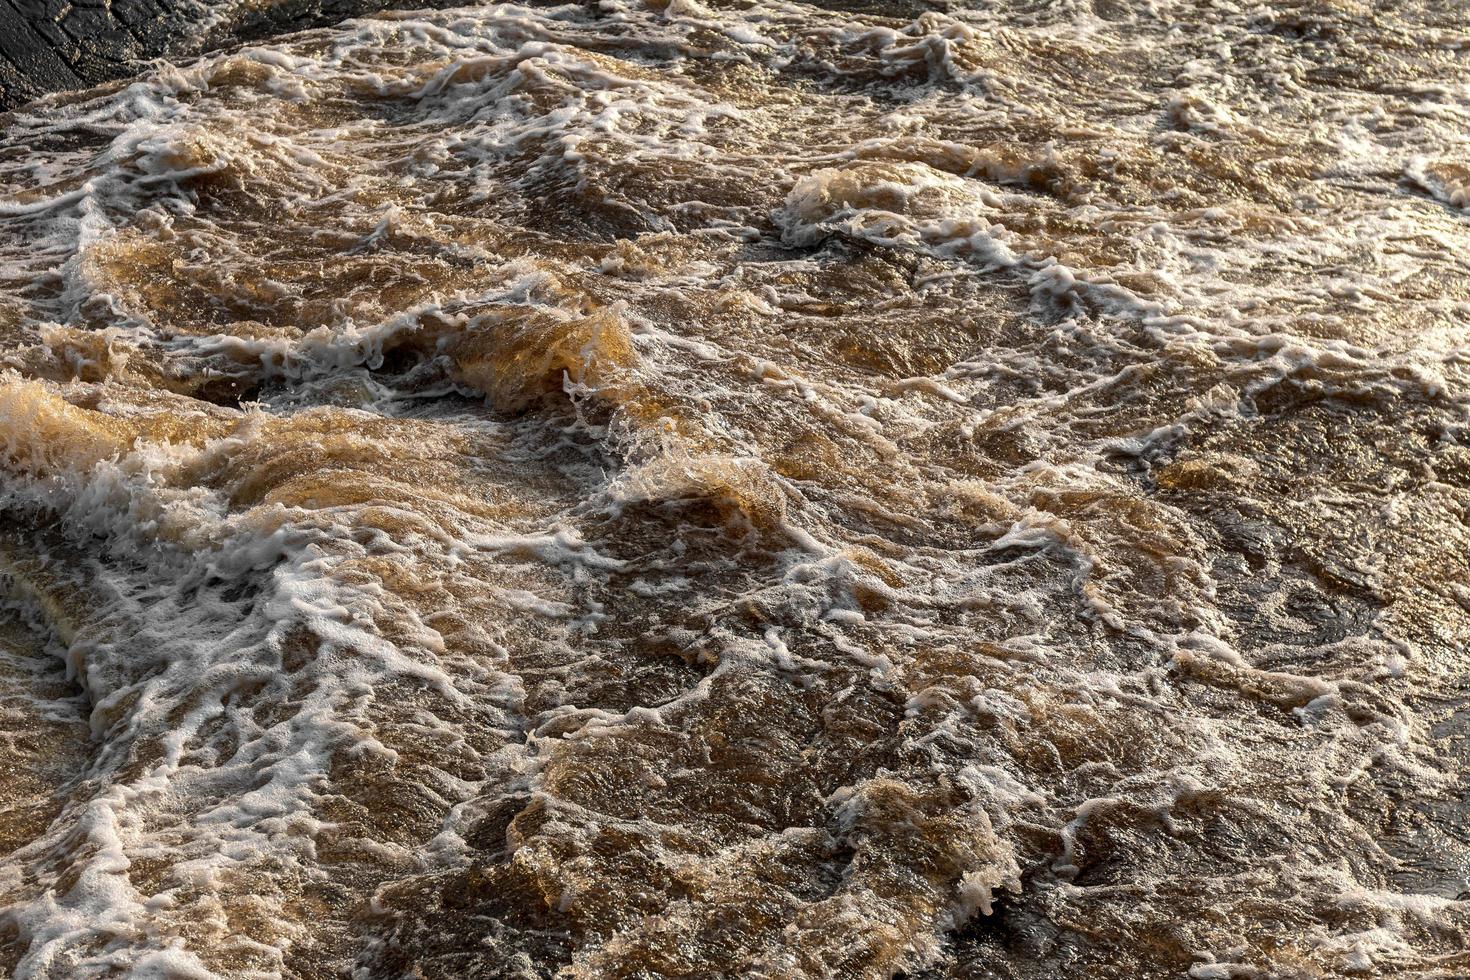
49,45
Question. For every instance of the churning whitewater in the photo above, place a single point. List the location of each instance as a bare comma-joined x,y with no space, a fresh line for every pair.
745,489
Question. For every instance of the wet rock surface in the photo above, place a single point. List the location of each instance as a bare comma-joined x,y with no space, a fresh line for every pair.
53,45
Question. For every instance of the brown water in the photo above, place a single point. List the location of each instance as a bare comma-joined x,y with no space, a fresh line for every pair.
740,489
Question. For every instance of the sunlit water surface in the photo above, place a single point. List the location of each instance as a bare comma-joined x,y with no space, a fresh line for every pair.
740,489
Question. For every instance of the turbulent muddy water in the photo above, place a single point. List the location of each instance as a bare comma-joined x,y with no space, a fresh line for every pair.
744,489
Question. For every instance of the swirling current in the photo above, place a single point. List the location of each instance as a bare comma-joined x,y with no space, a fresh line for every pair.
745,489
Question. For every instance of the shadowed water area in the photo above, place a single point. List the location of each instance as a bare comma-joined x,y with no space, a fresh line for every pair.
744,489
